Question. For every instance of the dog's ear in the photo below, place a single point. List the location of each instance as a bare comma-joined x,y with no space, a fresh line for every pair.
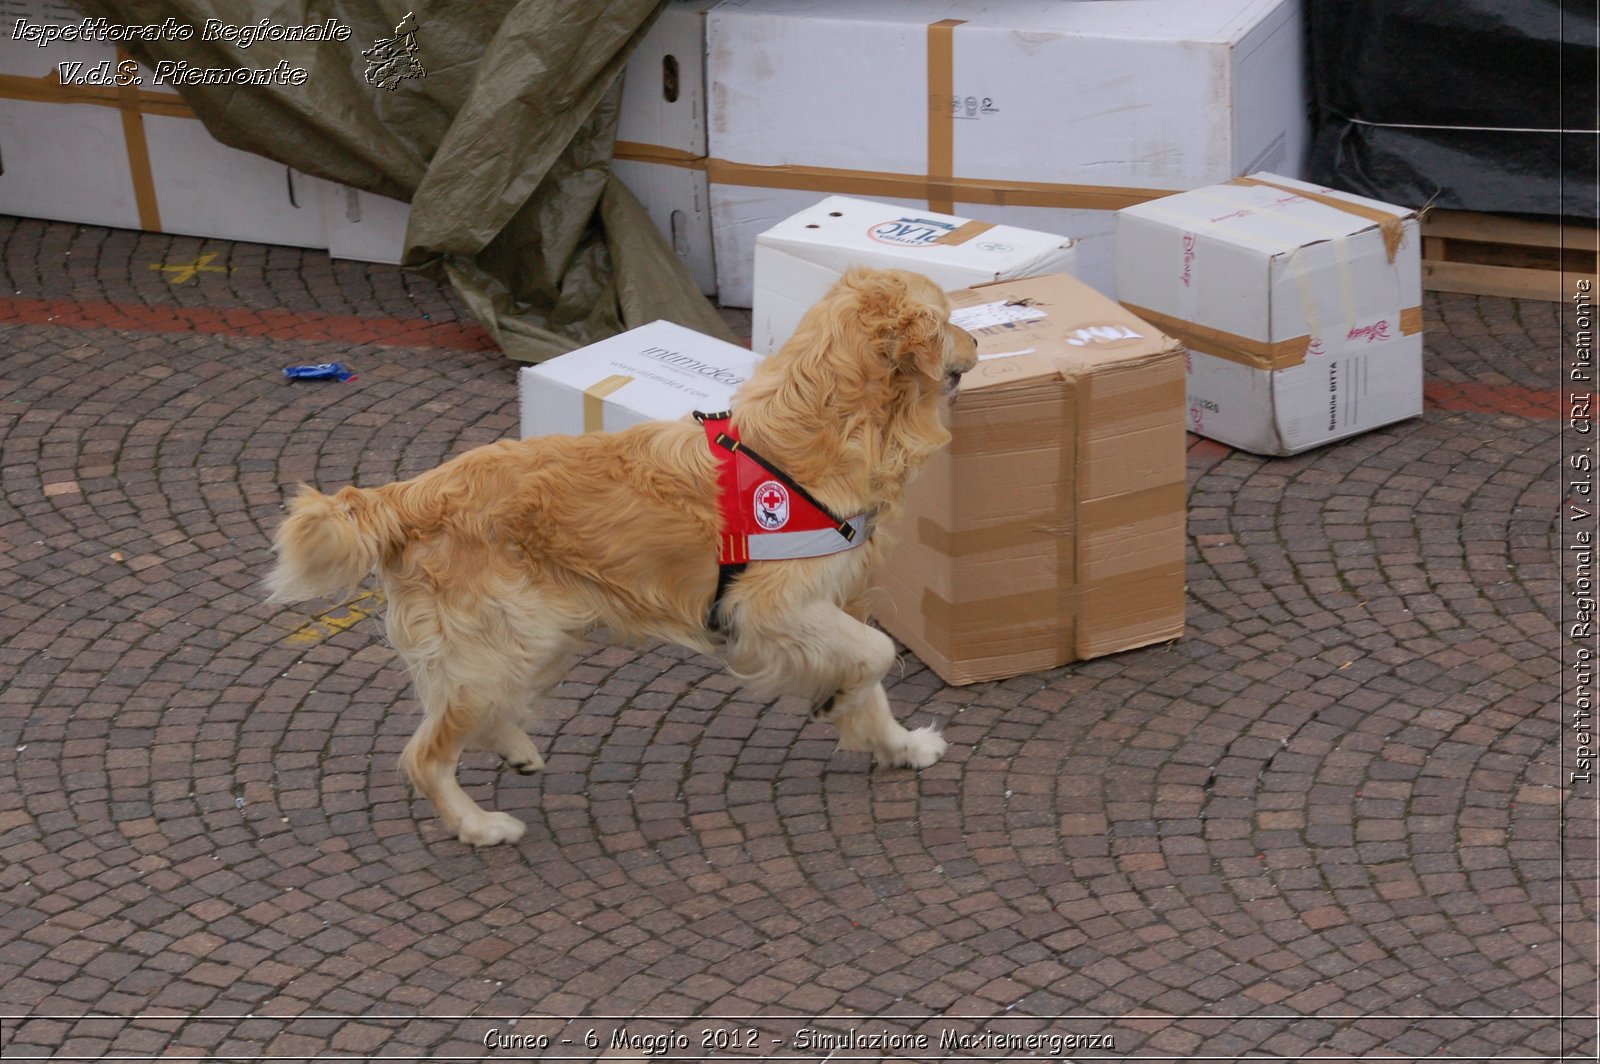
911,328
921,330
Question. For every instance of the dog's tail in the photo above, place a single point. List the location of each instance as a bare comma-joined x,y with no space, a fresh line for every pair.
330,543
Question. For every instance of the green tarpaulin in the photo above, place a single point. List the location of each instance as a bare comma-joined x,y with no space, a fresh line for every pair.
500,139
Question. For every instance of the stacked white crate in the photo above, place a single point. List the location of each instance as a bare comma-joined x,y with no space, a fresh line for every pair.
1043,115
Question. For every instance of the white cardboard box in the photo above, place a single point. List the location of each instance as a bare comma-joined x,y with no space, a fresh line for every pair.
1300,306
798,259
362,225
661,134
131,155
1058,113
67,153
664,83
659,371
675,196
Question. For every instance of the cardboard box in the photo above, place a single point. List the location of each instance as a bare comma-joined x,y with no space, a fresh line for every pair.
1051,115
659,371
167,174
132,155
664,83
1052,527
799,259
1301,307
675,196
661,134
363,226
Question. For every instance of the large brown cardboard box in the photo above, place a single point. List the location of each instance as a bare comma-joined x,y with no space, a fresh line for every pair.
1052,527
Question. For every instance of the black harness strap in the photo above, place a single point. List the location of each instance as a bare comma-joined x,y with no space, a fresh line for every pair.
726,574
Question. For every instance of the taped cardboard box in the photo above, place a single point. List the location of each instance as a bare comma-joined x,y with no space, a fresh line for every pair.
799,259
130,155
364,226
1048,116
1300,306
661,134
656,372
1052,527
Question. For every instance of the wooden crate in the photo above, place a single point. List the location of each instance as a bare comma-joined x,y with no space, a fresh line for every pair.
1492,255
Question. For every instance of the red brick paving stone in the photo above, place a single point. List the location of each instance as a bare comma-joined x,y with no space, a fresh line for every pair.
1337,796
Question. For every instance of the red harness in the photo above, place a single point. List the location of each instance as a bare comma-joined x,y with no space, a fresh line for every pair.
766,516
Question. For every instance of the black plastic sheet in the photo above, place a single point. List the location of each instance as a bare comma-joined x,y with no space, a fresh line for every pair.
1481,105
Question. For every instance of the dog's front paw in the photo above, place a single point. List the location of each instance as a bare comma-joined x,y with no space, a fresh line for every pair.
918,749
489,829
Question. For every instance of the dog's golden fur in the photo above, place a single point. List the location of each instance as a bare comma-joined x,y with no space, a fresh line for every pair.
496,562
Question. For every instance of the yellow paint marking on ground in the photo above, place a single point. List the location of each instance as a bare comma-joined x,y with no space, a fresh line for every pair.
331,622
186,271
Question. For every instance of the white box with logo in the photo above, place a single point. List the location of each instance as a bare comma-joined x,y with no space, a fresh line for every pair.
656,372
1050,115
798,259
1301,307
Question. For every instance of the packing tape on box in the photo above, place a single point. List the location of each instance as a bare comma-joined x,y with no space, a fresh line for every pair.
634,151
1028,622
1390,224
882,184
134,103
594,400
941,115
1042,621
937,186
1257,354
963,233
1131,508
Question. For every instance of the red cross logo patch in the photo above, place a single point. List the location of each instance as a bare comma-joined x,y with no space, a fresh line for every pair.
772,505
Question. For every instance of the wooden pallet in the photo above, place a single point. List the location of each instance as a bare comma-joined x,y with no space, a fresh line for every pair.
1492,255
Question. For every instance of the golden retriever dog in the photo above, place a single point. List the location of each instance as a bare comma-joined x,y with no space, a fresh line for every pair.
496,563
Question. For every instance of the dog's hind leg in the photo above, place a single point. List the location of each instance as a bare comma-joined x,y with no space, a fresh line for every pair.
503,732
430,760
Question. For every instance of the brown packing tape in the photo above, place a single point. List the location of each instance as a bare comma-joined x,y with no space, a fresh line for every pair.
964,233
1390,224
133,102
634,151
1411,321
1118,511
594,400
138,148
974,628
1021,623
887,185
49,89
1007,535
1260,354
941,115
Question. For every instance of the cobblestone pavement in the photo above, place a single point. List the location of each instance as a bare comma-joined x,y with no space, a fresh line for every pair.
1327,822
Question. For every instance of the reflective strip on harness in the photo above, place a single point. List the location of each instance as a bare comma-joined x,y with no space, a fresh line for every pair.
771,546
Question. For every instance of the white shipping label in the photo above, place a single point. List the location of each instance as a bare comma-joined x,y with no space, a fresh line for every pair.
989,315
